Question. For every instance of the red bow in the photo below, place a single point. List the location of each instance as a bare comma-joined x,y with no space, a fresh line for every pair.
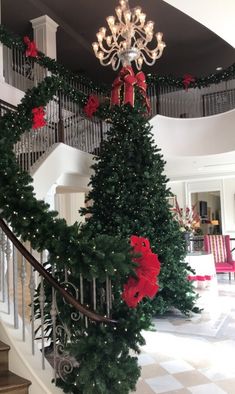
129,80
91,106
187,79
38,117
31,49
147,271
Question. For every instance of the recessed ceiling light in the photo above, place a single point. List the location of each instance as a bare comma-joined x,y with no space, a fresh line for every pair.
219,68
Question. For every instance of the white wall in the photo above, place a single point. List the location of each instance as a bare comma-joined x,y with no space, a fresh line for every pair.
61,159
178,189
229,203
10,94
68,206
195,136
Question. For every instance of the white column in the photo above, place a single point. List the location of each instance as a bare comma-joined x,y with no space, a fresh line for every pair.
50,197
44,29
1,52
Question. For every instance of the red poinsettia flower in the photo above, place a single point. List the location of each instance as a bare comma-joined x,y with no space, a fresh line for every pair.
91,106
145,284
31,50
38,117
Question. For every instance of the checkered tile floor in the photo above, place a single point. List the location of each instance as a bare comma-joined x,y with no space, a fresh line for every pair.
193,355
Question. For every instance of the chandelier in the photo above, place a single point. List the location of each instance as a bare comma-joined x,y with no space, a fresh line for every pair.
129,39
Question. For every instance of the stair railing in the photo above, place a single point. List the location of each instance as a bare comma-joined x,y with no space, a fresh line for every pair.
23,72
66,123
21,275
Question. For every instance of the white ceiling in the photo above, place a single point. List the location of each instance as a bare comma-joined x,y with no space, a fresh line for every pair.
216,15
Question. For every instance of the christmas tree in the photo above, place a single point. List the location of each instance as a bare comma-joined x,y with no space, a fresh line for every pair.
129,194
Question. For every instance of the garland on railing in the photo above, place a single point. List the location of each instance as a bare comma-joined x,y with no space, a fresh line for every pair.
96,345
13,41
201,82
12,125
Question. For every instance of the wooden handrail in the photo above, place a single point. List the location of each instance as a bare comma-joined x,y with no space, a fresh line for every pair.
5,105
51,280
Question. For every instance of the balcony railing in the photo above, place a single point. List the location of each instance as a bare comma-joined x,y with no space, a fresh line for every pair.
192,103
65,119
168,99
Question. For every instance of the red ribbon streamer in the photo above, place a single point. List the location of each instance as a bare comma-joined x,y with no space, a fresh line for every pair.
147,271
128,79
31,50
91,106
187,79
38,117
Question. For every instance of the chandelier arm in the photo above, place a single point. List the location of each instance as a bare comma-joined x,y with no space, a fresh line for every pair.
110,55
115,38
110,48
110,62
105,64
122,21
138,66
111,59
142,33
117,65
119,18
156,52
136,19
149,63
157,49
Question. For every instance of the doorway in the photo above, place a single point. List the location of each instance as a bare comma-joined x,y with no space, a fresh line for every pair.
208,207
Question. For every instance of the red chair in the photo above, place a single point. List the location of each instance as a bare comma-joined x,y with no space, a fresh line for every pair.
219,246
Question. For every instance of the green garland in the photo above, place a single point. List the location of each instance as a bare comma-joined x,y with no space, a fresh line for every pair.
97,345
202,82
13,41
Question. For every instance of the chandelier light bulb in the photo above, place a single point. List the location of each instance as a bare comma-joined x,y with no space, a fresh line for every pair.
159,36
99,36
123,4
110,20
137,11
103,31
124,45
101,55
108,40
118,11
128,39
142,18
127,16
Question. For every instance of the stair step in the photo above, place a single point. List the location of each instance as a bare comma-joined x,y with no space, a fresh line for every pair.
11,383
4,349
